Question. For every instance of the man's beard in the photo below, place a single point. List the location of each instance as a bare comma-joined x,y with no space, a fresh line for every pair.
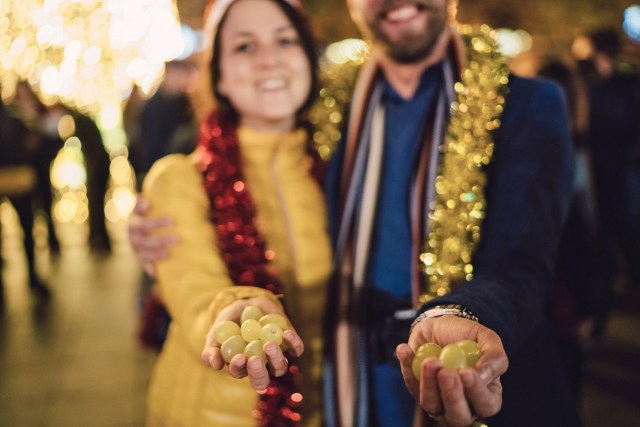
409,51
410,48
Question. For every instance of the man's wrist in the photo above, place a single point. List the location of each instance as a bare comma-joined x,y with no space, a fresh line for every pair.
443,310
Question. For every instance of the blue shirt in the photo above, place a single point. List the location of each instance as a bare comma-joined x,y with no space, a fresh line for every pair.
390,258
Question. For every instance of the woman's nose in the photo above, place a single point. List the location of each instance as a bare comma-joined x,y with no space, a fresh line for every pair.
267,56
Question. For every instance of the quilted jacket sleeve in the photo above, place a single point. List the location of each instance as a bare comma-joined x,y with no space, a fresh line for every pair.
193,279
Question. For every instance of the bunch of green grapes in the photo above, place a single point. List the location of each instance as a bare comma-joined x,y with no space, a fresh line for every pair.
458,355
248,337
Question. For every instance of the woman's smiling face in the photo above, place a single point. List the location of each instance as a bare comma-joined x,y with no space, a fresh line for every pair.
264,71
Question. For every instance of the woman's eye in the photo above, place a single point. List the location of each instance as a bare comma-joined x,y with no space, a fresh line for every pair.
288,41
244,47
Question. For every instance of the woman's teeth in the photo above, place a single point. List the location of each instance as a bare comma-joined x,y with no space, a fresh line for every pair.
272,84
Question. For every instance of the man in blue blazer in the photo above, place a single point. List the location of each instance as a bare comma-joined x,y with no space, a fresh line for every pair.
454,213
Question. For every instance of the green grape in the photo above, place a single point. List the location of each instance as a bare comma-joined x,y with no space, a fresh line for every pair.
225,329
254,348
429,349
232,346
251,312
251,330
272,332
426,350
453,357
274,318
471,351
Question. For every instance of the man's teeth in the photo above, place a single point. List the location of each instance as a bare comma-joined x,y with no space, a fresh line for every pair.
403,12
272,84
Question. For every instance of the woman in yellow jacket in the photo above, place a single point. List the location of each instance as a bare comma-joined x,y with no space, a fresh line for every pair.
250,217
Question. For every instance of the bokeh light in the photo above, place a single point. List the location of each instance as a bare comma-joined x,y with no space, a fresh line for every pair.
631,23
88,55
346,50
581,48
120,197
513,42
79,52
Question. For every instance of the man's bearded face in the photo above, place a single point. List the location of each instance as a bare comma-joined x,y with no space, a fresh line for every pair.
407,30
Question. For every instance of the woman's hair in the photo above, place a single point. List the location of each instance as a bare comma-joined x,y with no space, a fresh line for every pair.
307,41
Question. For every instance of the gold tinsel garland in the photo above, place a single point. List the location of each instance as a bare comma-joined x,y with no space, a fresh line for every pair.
454,221
459,206
327,114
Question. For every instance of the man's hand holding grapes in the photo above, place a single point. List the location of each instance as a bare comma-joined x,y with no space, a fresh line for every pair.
459,395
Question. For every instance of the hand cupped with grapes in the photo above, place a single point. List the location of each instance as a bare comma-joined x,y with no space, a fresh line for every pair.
458,393
251,338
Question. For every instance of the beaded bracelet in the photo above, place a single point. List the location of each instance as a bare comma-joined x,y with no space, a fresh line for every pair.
442,310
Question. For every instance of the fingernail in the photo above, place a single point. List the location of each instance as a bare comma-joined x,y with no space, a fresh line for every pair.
485,375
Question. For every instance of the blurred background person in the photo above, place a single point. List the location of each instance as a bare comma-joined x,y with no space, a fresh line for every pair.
96,161
133,128
578,287
166,119
615,141
42,149
18,182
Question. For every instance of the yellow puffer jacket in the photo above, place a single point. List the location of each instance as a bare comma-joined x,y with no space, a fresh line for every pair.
291,215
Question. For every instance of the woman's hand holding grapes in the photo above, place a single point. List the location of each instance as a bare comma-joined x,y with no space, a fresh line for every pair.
459,395
248,333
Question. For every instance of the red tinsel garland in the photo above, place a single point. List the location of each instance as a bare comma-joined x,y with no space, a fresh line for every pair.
243,248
